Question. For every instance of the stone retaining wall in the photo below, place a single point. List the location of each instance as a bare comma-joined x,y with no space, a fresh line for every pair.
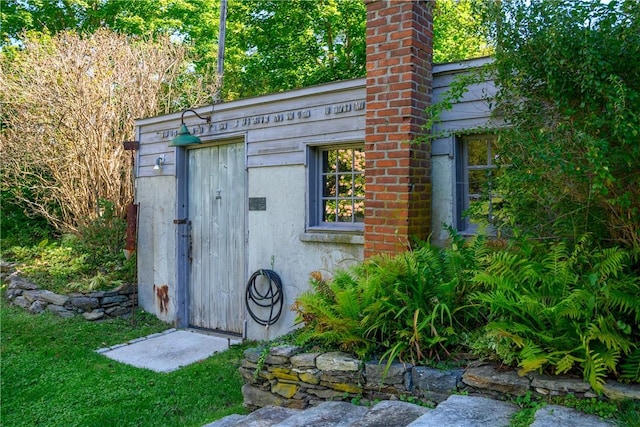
118,302
289,378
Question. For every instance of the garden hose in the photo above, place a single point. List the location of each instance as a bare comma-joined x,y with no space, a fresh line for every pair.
271,298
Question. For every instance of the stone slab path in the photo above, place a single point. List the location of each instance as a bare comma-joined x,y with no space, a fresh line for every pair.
456,411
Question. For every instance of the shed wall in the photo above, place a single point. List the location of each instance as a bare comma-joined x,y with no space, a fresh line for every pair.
277,129
277,241
156,253
471,113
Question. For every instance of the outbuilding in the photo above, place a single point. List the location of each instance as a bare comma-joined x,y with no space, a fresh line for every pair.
310,180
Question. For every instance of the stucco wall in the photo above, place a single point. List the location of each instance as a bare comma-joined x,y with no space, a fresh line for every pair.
157,253
277,235
442,176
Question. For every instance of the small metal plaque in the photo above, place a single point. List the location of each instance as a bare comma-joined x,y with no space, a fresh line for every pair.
131,145
257,203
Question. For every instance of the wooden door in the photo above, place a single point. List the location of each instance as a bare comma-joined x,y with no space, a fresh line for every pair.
216,206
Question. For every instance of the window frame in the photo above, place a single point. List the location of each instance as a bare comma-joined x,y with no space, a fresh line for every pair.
315,188
462,184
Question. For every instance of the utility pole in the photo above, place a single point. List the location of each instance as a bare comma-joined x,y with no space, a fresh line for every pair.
221,41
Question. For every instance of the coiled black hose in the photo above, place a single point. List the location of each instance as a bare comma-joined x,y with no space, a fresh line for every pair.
271,298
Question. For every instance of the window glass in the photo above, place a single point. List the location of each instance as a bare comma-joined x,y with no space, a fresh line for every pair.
478,152
342,171
476,182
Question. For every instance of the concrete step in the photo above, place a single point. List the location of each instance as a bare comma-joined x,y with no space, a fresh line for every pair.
456,411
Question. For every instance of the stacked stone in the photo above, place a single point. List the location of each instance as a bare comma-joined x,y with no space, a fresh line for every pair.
297,380
118,302
289,378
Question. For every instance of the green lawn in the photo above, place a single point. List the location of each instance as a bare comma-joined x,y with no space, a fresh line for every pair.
51,376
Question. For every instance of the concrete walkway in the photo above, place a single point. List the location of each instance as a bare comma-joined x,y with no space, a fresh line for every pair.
168,350
456,411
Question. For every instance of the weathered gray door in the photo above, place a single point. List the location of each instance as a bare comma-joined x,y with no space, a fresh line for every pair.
216,204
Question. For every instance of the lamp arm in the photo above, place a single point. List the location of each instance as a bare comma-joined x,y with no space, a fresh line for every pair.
208,118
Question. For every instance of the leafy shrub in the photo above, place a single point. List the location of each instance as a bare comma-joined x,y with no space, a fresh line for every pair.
16,227
412,306
558,307
90,261
569,92
563,307
102,240
51,265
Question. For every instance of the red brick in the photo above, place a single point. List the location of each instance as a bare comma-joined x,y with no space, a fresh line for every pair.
386,163
385,196
399,82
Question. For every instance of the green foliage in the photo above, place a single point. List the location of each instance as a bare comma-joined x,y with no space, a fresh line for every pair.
270,45
409,398
52,375
562,308
412,306
593,406
102,240
90,261
555,307
528,406
458,86
275,45
16,227
458,32
569,90
51,265
628,413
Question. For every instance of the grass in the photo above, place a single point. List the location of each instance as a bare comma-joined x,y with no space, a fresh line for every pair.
620,413
51,376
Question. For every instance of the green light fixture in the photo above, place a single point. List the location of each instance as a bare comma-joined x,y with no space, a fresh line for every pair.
184,137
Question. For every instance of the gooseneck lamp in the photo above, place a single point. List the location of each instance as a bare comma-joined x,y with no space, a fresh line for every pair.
184,137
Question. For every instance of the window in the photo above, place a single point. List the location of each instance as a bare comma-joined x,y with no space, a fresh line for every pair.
336,176
475,187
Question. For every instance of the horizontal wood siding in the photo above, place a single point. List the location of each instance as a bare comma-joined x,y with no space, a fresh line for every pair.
277,127
471,111
276,131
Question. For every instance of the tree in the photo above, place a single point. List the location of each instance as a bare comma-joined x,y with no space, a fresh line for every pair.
458,31
270,45
193,23
569,91
277,45
68,104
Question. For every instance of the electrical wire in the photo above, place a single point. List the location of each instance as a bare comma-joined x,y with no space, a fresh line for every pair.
271,298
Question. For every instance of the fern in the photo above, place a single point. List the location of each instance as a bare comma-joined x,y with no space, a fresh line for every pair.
556,307
596,367
532,358
566,363
603,331
567,307
630,366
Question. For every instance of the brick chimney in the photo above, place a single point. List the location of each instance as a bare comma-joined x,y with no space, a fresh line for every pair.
399,84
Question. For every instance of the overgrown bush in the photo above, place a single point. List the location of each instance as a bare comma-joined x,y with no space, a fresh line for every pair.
17,228
561,308
68,102
554,307
569,90
92,260
102,239
413,306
